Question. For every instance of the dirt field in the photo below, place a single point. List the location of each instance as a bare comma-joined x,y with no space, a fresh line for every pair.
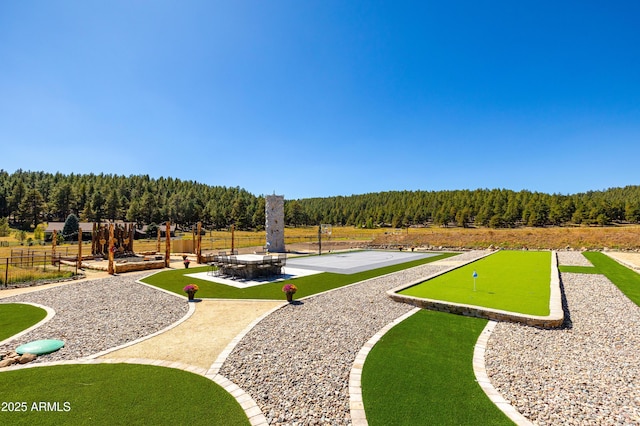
582,238
305,239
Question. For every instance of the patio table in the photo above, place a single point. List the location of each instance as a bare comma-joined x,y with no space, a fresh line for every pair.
249,266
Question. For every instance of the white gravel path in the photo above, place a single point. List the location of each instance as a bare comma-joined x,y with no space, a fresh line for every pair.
572,258
587,373
93,316
296,362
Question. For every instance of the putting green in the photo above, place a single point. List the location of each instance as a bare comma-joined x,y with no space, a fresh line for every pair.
515,281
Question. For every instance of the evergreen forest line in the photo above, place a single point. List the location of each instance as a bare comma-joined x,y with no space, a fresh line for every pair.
28,198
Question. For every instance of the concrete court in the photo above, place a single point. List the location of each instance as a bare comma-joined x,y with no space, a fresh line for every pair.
354,262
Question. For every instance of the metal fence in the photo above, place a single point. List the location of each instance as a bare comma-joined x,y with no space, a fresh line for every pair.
26,266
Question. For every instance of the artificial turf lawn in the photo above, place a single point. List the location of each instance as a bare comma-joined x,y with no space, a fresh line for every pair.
15,317
421,372
578,269
515,281
108,394
627,280
176,280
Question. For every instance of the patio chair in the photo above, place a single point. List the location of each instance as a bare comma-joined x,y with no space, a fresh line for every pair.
212,266
217,265
266,266
222,264
282,261
237,269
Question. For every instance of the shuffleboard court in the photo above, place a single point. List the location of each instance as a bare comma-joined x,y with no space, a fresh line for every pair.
354,262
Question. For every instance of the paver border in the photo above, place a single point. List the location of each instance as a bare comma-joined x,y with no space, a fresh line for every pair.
250,408
480,371
188,315
356,403
215,367
257,418
50,314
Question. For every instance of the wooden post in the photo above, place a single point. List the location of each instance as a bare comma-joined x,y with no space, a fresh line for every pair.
167,251
111,250
233,230
129,229
79,247
193,239
158,244
94,239
54,242
199,245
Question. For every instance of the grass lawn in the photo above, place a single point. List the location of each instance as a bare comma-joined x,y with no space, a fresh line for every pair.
107,394
176,280
515,281
627,280
578,269
15,317
421,372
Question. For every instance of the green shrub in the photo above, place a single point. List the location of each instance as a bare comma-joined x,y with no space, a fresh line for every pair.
4,227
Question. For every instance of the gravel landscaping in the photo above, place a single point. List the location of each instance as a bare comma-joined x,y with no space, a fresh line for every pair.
296,362
93,316
588,372
572,258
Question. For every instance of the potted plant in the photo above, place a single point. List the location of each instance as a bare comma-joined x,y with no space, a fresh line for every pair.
190,289
289,290
186,262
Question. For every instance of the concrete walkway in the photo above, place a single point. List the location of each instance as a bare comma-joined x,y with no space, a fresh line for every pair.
631,260
203,336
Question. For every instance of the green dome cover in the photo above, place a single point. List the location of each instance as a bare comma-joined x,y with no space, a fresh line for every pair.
40,347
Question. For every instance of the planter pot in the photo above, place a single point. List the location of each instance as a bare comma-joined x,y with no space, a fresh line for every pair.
191,295
186,265
289,297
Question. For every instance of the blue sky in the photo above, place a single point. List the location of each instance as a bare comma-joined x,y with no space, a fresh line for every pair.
322,98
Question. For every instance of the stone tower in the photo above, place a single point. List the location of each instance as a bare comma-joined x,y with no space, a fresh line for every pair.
274,218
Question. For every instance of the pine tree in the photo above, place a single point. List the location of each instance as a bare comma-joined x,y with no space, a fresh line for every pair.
70,228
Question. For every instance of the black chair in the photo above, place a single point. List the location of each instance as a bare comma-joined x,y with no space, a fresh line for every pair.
213,269
266,266
223,266
237,269
282,261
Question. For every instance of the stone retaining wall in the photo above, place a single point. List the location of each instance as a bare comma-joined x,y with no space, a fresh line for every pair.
139,266
126,267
